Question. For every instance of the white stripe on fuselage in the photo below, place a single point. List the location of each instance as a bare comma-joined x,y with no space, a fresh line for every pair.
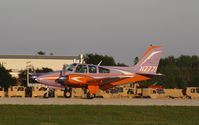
76,79
122,71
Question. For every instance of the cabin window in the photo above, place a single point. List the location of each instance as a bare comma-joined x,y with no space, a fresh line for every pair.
103,70
92,69
160,91
192,90
197,90
81,69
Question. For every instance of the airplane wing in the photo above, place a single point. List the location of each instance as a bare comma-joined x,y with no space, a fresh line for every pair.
107,80
106,83
92,80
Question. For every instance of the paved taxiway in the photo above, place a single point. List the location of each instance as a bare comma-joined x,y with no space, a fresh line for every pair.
98,101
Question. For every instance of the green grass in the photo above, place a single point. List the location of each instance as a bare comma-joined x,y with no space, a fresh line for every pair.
97,115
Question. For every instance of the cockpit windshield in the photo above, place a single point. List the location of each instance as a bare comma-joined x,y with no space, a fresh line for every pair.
70,67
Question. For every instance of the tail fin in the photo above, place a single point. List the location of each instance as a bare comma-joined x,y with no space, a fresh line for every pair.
149,62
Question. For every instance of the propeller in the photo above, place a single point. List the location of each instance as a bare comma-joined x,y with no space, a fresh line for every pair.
62,77
62,80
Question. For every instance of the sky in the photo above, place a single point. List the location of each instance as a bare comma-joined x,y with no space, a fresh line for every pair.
119,28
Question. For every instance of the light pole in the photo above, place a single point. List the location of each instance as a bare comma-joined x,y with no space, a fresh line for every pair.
27,75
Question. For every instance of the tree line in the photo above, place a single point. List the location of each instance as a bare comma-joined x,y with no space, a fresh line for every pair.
179,72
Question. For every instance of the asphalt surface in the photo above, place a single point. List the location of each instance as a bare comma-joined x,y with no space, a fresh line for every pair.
100,101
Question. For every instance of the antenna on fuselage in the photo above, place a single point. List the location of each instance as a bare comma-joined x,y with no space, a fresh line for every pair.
99,63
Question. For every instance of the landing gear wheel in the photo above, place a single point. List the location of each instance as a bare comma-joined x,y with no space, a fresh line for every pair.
90,96
45,95
67,92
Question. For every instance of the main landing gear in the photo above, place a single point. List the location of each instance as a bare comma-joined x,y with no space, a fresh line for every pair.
90,96
87,94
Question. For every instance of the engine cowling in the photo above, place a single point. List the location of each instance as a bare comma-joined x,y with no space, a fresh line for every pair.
76,79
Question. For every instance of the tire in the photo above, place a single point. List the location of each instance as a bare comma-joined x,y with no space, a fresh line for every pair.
67,94
90,96
51,93
45,95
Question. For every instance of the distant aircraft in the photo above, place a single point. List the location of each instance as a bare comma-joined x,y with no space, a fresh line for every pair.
94,77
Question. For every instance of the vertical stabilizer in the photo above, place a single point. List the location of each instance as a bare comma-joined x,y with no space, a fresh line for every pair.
150,61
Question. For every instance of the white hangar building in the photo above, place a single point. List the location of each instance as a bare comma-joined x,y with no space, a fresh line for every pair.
15,63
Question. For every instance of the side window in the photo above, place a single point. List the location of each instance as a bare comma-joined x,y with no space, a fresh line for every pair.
81,69
197,90
192,90
92,69
103,70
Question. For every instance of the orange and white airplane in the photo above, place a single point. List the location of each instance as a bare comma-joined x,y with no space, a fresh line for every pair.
93,77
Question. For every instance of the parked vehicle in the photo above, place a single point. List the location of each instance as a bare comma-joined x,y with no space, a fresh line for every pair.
192,92
2,93
153,93
16,91
39,92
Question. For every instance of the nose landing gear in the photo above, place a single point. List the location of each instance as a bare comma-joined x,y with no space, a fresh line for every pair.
67,92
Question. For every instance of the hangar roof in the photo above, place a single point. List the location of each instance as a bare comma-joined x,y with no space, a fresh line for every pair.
37,57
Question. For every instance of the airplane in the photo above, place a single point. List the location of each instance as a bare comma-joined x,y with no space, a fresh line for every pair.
92,78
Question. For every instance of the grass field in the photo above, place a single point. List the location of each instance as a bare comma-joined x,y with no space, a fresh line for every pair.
97,115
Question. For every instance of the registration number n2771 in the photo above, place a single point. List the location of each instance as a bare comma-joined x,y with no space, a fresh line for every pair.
148,69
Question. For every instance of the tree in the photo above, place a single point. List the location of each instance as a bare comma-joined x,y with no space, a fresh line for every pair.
96,59
43,70
51,54
5,78
41,53
136,60
23,76
121,64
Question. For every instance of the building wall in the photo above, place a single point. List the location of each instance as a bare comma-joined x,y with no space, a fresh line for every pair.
20,64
